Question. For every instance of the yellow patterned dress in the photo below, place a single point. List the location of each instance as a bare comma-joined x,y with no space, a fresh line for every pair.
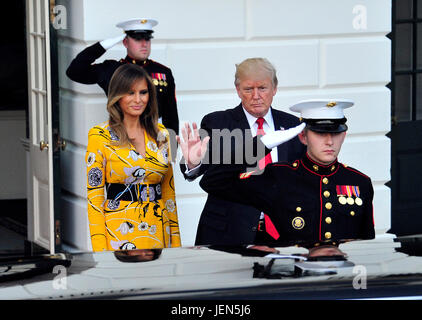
131,198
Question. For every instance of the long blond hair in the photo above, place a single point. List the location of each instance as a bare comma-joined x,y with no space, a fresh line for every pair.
120,85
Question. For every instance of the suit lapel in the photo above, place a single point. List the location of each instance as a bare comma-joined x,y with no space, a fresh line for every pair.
240,118
240,121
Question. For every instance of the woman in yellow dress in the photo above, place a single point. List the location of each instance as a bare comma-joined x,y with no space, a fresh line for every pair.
130,186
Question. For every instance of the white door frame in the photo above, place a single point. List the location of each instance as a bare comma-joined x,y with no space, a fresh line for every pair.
40,183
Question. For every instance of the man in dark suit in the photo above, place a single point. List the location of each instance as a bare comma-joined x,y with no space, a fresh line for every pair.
137,41
224,222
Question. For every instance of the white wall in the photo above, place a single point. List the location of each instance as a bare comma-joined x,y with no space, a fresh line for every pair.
320,48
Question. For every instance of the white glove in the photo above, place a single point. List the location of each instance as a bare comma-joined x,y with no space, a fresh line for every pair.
275,138
108,43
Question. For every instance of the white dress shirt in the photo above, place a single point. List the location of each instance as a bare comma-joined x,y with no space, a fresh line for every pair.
268,127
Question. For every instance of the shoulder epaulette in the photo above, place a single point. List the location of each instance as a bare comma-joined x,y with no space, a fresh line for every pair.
293,165
354,170
159,64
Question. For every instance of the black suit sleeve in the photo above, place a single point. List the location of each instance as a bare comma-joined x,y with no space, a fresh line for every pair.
232,182
368,231
169,106
82,69
237,182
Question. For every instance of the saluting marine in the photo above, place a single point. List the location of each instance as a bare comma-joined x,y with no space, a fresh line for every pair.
137,40
314,200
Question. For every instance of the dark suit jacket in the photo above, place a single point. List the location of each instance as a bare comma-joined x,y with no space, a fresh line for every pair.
224,222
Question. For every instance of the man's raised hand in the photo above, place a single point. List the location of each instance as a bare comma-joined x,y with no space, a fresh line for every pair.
193,148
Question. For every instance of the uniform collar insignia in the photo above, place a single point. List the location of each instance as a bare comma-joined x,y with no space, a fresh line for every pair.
318,168
138,62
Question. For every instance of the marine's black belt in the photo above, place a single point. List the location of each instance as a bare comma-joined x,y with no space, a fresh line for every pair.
133,192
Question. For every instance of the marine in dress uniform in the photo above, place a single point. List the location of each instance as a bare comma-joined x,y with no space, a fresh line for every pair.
82,69
309,203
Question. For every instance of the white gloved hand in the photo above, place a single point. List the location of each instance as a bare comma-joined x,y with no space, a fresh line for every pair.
108,43
273,139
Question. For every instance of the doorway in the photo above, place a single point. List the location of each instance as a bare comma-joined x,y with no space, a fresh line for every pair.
406,111
13,128
25,117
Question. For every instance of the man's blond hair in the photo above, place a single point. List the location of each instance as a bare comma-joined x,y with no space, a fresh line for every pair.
253,66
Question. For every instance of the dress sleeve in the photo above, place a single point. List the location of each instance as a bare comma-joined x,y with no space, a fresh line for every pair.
169,198
95,188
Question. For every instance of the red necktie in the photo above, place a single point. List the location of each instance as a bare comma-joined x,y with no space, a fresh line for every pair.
269,226
260,132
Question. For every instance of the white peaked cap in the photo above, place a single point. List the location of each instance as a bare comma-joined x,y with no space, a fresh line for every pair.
137,24
322,108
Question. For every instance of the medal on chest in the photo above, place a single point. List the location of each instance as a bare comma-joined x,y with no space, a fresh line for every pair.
348,195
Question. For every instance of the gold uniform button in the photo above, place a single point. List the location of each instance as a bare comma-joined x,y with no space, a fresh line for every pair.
328,206
298,209
315,167
352,213
326,193
328,220
295,164
325,180
328,235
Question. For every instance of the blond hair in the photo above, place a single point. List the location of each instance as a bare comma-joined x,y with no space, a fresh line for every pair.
253,66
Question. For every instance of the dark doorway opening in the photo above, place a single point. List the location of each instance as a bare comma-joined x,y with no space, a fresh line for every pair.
406,112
